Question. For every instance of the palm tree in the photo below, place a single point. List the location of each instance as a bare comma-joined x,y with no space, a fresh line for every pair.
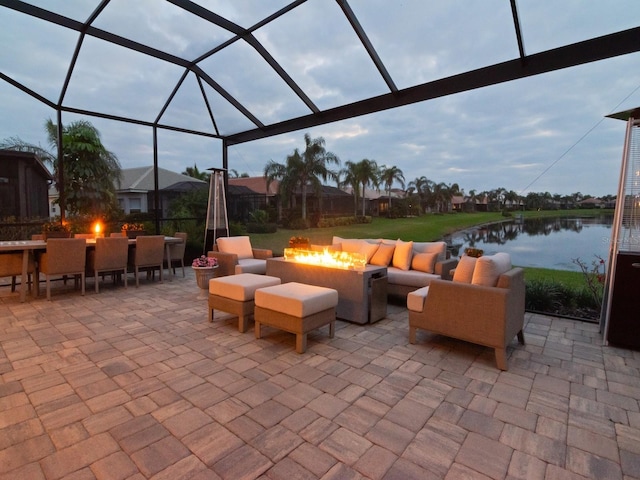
304,170
422,186
367,174
90,171
388,175
195,173
350,174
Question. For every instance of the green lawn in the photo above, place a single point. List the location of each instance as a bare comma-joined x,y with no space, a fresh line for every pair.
425,228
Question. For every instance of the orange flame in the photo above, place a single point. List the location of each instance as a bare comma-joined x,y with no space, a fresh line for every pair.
326,258
97,228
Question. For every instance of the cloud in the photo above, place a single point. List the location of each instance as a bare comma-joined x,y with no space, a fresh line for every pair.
543,133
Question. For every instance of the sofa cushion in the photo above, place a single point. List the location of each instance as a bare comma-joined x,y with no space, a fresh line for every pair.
241,246
351,245
251,265
415,300
464,269
368,250
429,247
489,268
383,255
409,278
424,262
402,255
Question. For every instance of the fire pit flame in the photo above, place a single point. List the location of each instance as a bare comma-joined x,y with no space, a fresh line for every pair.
326,258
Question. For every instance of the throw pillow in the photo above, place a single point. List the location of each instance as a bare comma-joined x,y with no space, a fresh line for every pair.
464,269
368,250
402,255
424,262
352,245
489,268
241,246
383,255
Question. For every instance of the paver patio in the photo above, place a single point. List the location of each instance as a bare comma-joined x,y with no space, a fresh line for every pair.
136,383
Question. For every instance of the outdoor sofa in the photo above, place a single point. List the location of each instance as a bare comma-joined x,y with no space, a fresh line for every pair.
410,265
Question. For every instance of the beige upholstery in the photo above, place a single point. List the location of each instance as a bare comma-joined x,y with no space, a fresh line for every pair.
84,235
485,315
110,255
148,255
235,294
11,266
176,252
296,308
235,255
64,256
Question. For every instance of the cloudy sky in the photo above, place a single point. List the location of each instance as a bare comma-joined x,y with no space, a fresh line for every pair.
544,133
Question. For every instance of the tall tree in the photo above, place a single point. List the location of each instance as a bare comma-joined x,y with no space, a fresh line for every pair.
194,172
422,186
304,170
389,175
367,173
349,177
90,173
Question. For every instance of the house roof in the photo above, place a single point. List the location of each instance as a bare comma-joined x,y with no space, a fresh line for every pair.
31,158
257,184
141,179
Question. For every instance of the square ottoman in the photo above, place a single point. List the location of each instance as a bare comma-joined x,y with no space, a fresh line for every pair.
235,294
296,308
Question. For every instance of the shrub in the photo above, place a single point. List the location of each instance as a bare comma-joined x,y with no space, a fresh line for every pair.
299,224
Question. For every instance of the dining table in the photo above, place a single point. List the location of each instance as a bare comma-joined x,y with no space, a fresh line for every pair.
33,246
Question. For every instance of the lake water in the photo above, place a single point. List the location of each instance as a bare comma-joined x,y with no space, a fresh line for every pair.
541,242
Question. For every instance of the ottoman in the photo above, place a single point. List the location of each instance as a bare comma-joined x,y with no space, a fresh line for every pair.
235,293
296,308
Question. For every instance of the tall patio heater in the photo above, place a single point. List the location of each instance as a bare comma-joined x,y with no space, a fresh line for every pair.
217,222
620,319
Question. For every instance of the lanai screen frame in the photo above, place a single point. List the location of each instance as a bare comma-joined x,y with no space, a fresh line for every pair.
591,50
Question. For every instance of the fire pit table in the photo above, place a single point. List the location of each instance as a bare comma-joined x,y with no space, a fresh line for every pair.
362,291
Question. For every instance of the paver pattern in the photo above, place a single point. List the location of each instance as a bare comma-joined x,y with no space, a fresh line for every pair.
135,383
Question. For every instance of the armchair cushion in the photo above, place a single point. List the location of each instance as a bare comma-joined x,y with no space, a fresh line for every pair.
251,265
241,246
488,269
464,270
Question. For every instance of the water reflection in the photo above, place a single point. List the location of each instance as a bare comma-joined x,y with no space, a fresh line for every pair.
540,242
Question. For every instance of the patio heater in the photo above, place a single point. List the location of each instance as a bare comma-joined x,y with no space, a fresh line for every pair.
217,222
620,318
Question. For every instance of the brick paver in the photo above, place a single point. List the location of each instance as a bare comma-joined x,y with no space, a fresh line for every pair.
134,384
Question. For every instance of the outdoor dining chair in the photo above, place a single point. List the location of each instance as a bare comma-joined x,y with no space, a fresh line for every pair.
148,255
176,252
64,256
11,266
110,255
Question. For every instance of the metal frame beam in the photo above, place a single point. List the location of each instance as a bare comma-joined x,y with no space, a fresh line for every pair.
600,48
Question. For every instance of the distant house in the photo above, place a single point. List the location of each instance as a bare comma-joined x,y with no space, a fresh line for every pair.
246,194
137,189
24,182
592,203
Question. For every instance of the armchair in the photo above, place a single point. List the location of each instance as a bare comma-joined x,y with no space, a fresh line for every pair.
485,310
235,255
